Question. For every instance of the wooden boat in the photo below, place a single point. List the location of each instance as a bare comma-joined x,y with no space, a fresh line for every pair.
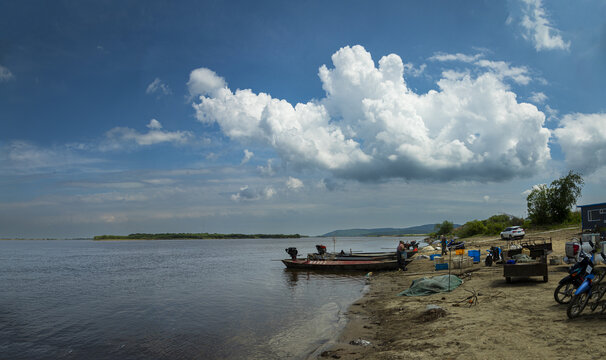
341,265
389,255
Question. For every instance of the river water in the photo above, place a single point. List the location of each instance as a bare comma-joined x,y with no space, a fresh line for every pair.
170,299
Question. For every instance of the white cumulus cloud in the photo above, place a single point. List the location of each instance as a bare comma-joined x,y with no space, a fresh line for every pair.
204,81
583,140
539,30
371,126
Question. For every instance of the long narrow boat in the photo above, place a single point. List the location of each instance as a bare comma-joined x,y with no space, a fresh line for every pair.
341,265
390,255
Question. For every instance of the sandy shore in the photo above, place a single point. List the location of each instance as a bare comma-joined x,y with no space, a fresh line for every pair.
517,320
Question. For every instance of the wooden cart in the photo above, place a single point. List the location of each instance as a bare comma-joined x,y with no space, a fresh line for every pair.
538,268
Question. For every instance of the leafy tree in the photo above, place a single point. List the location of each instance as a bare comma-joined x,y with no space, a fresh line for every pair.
552,204
471,228
538,203
566,191
445,228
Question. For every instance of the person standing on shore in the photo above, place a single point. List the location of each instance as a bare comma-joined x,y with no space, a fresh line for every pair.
443,244
401,255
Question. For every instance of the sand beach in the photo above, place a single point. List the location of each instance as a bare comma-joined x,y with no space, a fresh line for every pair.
516,320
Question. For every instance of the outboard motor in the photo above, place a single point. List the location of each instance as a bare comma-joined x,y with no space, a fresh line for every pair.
292,251
321,249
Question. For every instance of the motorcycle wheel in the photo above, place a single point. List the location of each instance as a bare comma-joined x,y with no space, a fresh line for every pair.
577,304
596,297
563,293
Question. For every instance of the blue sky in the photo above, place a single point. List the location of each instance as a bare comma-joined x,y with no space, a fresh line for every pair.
292,117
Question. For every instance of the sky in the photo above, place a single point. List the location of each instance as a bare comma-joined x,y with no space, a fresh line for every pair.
119,117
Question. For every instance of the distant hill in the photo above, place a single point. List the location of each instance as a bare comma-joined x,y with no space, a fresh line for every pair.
421,229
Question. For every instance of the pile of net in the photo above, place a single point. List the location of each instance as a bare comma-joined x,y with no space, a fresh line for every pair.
431,285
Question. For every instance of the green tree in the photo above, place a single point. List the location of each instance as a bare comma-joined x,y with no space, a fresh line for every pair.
445,228
565,192
538,203
552,204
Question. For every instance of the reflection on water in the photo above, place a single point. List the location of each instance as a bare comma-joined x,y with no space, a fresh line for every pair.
292,276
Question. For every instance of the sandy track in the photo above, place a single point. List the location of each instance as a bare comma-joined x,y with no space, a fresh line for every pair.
518,320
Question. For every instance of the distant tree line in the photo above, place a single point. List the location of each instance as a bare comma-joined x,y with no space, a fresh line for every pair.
172,236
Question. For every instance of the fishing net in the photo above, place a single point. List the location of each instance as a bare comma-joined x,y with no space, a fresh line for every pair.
432,285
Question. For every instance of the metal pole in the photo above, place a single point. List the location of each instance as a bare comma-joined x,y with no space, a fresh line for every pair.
449,262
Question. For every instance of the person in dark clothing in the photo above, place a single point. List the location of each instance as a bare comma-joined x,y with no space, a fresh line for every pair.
443,244
401,255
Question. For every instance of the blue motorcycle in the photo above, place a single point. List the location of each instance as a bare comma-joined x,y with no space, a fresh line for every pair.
566,287
590,289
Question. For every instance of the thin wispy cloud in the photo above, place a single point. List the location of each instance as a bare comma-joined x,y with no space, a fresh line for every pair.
247,156
502,69
26,157
538,97
158,87
5,74
119,137
539,30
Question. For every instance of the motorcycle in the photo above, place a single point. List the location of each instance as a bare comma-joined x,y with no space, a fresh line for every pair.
566,287
590,289
455,245
494,255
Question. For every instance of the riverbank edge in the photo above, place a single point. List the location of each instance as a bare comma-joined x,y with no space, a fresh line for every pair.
360,326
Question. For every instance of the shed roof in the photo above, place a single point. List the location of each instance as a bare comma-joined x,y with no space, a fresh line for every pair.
582,206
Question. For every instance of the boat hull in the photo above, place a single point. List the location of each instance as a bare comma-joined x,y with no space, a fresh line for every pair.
341,265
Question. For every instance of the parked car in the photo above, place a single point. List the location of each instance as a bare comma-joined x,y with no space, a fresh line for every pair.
513,232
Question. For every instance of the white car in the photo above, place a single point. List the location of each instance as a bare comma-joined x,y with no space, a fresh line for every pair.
513,232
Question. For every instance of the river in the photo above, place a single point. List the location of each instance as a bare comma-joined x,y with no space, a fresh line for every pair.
171,299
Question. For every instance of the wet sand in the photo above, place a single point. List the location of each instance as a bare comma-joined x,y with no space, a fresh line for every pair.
517,320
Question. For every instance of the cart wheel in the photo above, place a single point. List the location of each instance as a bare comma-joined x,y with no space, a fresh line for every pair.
508,280
545,278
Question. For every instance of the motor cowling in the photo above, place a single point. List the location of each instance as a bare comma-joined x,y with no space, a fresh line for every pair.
292,251
321,249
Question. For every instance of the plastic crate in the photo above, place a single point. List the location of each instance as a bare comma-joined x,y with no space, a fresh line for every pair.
443,266
461,262
433,256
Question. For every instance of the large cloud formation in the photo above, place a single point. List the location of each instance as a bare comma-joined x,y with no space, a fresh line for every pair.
583,140
371,126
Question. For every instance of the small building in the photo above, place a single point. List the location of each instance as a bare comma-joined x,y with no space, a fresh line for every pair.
593,216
